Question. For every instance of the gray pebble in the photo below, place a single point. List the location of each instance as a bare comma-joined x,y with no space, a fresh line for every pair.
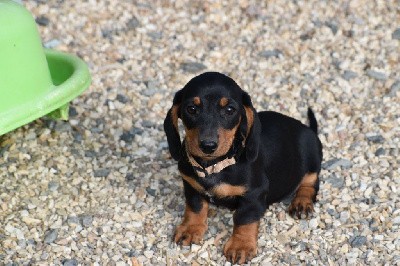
90,154
132,253
44,255
155,35
129,177
72,111
133,23
333,26
396,220
358,241
376,74
151,192
103,172
348,75
344,216
127,136
72,220
380,151
70,262
394,88
396,34
51,236
192,67
336,182
332,164
22,243
87,220
270,53
42,20
375,138
122,98
52,44
53,185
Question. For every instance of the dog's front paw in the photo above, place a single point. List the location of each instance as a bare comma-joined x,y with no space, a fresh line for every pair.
300,206
188,234
240,249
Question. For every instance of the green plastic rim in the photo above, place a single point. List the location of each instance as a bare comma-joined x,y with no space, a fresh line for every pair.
70,76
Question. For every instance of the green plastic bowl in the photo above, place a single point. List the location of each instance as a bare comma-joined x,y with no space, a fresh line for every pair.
34,82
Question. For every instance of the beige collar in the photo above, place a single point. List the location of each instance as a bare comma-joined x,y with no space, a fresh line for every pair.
213,169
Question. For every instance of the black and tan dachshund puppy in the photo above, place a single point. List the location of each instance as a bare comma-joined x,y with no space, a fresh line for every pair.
234,157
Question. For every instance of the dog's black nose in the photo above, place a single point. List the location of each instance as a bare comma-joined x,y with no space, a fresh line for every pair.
208,146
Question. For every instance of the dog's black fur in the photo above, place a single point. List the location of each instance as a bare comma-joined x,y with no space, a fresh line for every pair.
273,152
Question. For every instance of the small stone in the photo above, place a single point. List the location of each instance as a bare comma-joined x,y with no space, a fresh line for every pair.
129,177
155,35
192,67
375,138
344,216
333,163
102,172
394,88
335,181
87,220
51,236
31,221
313,224
73,220
53,185
133,23
281,216
358,241
70,262
72,111
22,243
376,74
333,26
52,44
348,75
42,20
149,254
44,255
122,98
271,53
380,151
396,220
396,34
151,192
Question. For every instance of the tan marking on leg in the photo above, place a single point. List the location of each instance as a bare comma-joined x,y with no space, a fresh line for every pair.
226,190
303,203
223,102
196,101
242,245
193,226
193,183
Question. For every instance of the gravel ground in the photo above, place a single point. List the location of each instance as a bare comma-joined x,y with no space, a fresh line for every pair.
101,188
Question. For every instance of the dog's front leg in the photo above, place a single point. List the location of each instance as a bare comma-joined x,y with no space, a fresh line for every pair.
194,223
242,245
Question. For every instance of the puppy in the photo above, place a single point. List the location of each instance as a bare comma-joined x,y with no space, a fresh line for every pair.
234,157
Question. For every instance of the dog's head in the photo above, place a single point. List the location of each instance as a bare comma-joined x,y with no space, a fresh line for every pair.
215,112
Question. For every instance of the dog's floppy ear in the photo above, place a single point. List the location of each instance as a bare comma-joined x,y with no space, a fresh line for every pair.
251,128
171,127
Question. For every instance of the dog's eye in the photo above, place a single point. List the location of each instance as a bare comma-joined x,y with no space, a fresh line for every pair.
230,110
191,109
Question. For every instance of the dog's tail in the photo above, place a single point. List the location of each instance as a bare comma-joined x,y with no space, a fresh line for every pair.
312,120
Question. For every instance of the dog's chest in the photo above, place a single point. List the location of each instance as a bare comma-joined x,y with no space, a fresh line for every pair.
215,187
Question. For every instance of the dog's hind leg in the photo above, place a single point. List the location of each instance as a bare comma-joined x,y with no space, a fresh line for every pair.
306,194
